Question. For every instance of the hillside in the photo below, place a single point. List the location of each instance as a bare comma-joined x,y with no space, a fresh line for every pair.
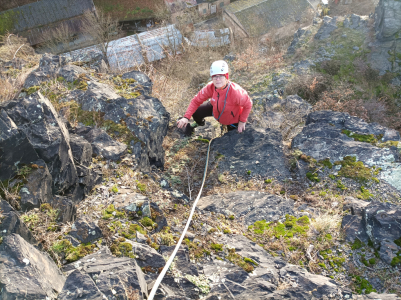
97,182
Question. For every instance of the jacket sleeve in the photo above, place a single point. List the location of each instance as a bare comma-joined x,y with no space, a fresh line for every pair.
202,96
246,103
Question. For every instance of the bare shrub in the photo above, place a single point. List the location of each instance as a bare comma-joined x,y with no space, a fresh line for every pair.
309,87
13,46
102,28
58,39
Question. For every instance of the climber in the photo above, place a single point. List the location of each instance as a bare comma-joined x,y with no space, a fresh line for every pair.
229,103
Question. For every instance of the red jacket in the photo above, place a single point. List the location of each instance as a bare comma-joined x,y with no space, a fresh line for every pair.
238,105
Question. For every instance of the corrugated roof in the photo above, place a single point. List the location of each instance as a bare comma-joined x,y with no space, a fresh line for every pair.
128,52
211,38
45,12
260,16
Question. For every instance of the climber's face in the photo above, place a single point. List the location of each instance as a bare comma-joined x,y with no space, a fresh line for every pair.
219,81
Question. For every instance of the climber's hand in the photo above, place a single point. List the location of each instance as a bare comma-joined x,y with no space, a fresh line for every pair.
241,126
182,123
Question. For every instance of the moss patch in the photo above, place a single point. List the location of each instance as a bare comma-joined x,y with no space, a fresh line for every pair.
356,170
290,228
72,253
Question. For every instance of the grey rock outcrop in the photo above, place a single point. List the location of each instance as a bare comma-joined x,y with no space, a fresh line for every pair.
27,271
38,187
328,26
37,118
10,223
258,151
253,206
85,230
323,137
81,150
112,276
102,143
142,82
70,73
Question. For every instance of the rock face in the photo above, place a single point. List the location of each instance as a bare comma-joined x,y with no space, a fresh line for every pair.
38,188
11,224
85,230
39,121
253,206
328,26
102,143
323,137
142,82
104,273
386,49
258,151
21,261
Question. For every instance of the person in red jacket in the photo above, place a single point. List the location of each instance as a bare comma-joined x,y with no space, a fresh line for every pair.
229,103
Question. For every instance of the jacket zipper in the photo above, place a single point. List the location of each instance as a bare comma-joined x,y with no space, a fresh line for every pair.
218,95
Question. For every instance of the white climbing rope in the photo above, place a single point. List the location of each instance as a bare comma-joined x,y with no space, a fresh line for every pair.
170,260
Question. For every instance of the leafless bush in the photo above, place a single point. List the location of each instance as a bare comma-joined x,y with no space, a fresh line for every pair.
309,87
59,39
102,28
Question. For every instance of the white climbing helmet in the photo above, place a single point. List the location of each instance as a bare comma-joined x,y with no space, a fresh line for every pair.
219,67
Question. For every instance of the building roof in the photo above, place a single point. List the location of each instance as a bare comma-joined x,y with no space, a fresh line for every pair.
45,12
178,5
260,16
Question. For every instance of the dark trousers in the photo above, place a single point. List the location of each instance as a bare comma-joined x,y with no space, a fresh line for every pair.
206,110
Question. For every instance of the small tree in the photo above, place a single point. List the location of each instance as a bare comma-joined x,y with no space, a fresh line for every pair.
102,28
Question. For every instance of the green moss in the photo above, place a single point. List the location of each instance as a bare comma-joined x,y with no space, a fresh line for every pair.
121,248
249,260
8,20
267,181
340,185
398,242
372,261
366,138
356,170
141,187
114,189
326,162
395,261
291,227
111,212
217,247
248,172
226,231
147,222
388,144
245,263
232,217
72,253
202,140
331,176
357,244
365,194
362,284
313,176
322,265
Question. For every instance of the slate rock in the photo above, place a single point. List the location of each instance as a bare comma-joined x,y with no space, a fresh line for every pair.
257,150
252,205
375,296
182,262
355,206
14,147
388,250
387,21
38,188
70,73
109,273
356,22
143,83
85,230
322,138
354,229
37,118
327,27
11,224
26,272
81,150
131,202
102,143
88,178
49,66
66,207
158,217
382,222
96,96
147,256
80,285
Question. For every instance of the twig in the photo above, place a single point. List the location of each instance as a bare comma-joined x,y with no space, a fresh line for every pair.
18,50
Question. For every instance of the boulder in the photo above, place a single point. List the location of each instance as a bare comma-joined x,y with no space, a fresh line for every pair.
80,285
388,250
113,276
96,96
81,150
387,19
323,137
354,229
85,230
382,222
14,147
375,296
147,256
182,262
26,272
10,223
102,143
252,206
37,118
70,73
327,27
142,82
49,66
88,178
66,208
258,151
355,206
38,186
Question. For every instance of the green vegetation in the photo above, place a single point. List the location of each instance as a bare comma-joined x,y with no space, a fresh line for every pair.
141,186
362,284
122,248
365,194
356,170
245,263
7,21
148,222
313,176
114,189
357,244
291,227
72,253
326,162
267,181
340,185
111,212
366,138
217,247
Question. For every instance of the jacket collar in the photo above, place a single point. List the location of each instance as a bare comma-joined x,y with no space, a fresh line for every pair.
223,89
